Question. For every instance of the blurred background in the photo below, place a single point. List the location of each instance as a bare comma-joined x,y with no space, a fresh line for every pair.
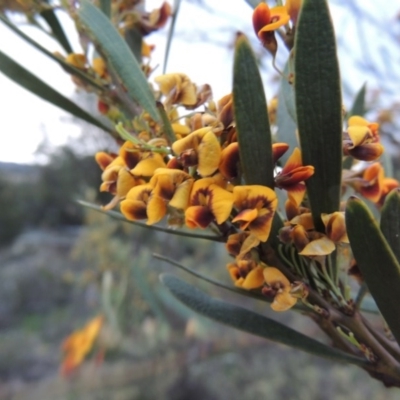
61,264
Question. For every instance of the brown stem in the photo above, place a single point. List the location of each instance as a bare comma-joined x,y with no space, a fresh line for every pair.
389,345
387,367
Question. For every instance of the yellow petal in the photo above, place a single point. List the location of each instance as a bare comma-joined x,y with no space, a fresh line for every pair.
358,135
335,226
156,209
125,182
209,153
319,247
283,301
272,275
180,198
148,165
254,279
357,120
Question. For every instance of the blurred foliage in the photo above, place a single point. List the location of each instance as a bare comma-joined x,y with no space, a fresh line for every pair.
44,196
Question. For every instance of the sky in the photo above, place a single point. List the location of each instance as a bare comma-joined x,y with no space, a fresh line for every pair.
202,49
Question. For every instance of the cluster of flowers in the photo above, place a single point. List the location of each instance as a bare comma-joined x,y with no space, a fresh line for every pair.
196,181
192,175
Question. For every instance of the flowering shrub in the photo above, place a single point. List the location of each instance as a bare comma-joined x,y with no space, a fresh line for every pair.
288,206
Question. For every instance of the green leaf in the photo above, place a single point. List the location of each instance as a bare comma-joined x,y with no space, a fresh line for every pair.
167,127
30,82
390,221
253,3
134,40
387,163
248,321
50,17
376,260
67,67
175,12
105,6
117,52
319,106
358,107
252,124
286,116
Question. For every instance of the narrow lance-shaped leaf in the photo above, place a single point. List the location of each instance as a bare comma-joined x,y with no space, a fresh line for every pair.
390,221
67,67
175,13
27,80
134,40
117,52
319,106
286,115
250,322
376,260
105,6
50,17
358,107
252,124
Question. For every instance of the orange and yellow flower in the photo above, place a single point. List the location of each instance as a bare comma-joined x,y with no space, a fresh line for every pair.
292,177
171,188
265,21
361,140
178,89
208,203
76,346
278,287
373,185
255,207
134,206
246,274
201,148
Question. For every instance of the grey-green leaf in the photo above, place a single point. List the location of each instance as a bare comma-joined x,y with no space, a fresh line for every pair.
253,3
319,106
66,66
27,80
390,221
358,107
105,6
171,30
248,321
377,262
252,123
286,116
117,52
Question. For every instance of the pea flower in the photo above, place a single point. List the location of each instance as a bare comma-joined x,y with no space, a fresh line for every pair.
256,207
292,177
361,140
246,274
373,185
171,188
134,206
76,346
208,203
201,148
265,21
278,287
